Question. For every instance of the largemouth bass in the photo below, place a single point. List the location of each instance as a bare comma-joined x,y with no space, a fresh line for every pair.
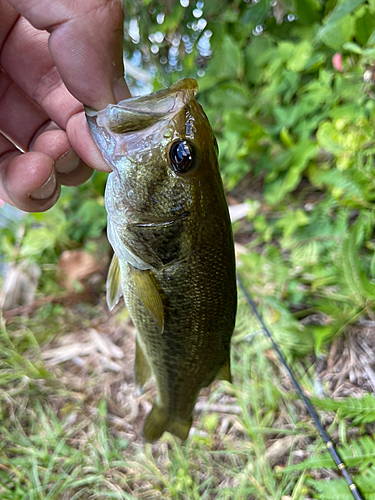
169,227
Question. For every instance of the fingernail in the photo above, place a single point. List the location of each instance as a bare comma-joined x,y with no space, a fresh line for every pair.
68,162
47,189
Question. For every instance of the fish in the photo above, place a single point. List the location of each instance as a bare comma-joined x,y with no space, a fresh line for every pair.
169,226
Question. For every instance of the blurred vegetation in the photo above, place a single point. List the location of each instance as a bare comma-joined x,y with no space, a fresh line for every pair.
287,116
289,88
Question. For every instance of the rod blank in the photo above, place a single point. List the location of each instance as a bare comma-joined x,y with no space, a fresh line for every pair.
330,446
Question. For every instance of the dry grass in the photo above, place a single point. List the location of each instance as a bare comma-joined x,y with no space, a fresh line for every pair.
71,418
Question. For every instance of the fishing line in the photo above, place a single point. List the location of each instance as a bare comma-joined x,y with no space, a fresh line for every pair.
331,448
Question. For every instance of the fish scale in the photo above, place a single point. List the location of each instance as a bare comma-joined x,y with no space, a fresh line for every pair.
169,226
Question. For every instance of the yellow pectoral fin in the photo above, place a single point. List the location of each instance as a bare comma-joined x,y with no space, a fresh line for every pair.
224,373
114,290
148,294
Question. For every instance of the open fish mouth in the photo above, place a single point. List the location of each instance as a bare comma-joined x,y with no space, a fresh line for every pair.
135,125
138,113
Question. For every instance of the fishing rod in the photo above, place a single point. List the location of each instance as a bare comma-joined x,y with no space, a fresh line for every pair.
331,448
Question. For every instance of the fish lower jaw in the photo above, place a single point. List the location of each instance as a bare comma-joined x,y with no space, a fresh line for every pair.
151,221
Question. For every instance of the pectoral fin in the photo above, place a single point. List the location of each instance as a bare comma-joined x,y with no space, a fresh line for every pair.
148,293
114,289
142,370
224,373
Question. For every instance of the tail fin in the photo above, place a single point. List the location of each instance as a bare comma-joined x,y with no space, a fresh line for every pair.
158,422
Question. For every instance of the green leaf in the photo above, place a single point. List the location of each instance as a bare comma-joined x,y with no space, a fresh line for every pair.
256,13
292,220
300,56
228,63
258,55
306,254
359,452
359,410
336,34
364,26
36,241
308,11
336,489
352,47
355,278
90,218
329,138
238,123
341,10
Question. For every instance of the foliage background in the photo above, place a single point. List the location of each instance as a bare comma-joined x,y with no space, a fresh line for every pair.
289,90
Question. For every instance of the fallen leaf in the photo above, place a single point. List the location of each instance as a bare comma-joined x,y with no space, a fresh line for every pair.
75,265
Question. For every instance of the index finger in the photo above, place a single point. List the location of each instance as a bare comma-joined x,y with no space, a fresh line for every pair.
86,46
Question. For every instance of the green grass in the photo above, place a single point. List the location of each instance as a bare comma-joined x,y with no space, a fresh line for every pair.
60,443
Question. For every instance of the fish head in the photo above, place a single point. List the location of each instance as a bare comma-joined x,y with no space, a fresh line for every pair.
162,151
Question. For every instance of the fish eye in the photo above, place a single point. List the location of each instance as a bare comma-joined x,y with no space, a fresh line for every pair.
182,156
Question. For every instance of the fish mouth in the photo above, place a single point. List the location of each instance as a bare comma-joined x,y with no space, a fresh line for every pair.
138,113
152,221
139,124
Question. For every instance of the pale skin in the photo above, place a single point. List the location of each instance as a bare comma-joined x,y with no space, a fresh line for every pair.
55,56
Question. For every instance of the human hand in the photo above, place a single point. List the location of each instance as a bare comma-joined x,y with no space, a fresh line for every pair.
54,55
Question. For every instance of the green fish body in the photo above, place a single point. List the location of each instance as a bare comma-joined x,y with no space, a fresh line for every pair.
169,226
